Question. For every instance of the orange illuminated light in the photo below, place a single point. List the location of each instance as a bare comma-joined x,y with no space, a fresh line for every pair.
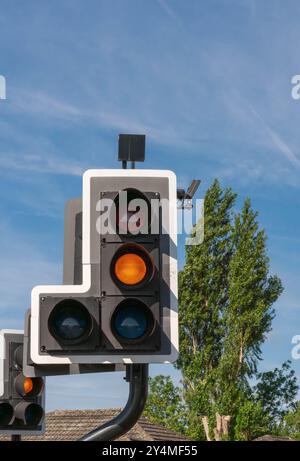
28,385
130,269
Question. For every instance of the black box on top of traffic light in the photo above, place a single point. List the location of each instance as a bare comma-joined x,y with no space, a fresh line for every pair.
132,147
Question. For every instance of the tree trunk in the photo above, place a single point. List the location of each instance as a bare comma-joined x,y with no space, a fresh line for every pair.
218,429
206,427
222,428
226,424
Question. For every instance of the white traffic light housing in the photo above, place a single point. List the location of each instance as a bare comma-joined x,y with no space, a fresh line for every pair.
125,309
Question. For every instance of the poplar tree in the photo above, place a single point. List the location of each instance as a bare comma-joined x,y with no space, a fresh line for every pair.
203,297
226,298
249,312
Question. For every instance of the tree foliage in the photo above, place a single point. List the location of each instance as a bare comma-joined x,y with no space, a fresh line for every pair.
226,298
203,295
277,391
251,421
291,423
165,404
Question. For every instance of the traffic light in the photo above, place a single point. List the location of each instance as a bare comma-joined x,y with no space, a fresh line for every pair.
125,308
21,397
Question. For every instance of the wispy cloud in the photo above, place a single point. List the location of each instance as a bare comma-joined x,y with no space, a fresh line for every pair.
39,102
277,141
46,163
170,12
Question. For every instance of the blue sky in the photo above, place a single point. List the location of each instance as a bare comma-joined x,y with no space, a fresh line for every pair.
208,82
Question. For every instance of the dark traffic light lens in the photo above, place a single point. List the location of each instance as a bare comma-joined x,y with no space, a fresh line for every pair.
132,217
18,356
28,413
6,413
33,414
70,321
132,320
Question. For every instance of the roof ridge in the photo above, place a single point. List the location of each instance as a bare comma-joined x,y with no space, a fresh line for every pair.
81,411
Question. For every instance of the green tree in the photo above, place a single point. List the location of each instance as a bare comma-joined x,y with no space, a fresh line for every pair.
291,423
251,421
277,391
226,298
203,295
165,404
249,313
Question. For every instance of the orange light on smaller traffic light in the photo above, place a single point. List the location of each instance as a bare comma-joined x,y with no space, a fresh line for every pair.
28,385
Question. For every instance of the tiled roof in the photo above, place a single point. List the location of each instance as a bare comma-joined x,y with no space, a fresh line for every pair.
73,424
272,438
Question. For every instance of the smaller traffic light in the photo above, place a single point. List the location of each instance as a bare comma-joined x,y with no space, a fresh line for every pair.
21,397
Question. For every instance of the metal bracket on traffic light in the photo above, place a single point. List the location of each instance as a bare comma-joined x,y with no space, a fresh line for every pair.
185,197
137,376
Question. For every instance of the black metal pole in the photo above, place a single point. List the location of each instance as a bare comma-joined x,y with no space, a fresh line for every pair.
137,375
16,438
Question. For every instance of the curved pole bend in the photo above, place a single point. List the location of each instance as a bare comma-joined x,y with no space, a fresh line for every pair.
137,375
